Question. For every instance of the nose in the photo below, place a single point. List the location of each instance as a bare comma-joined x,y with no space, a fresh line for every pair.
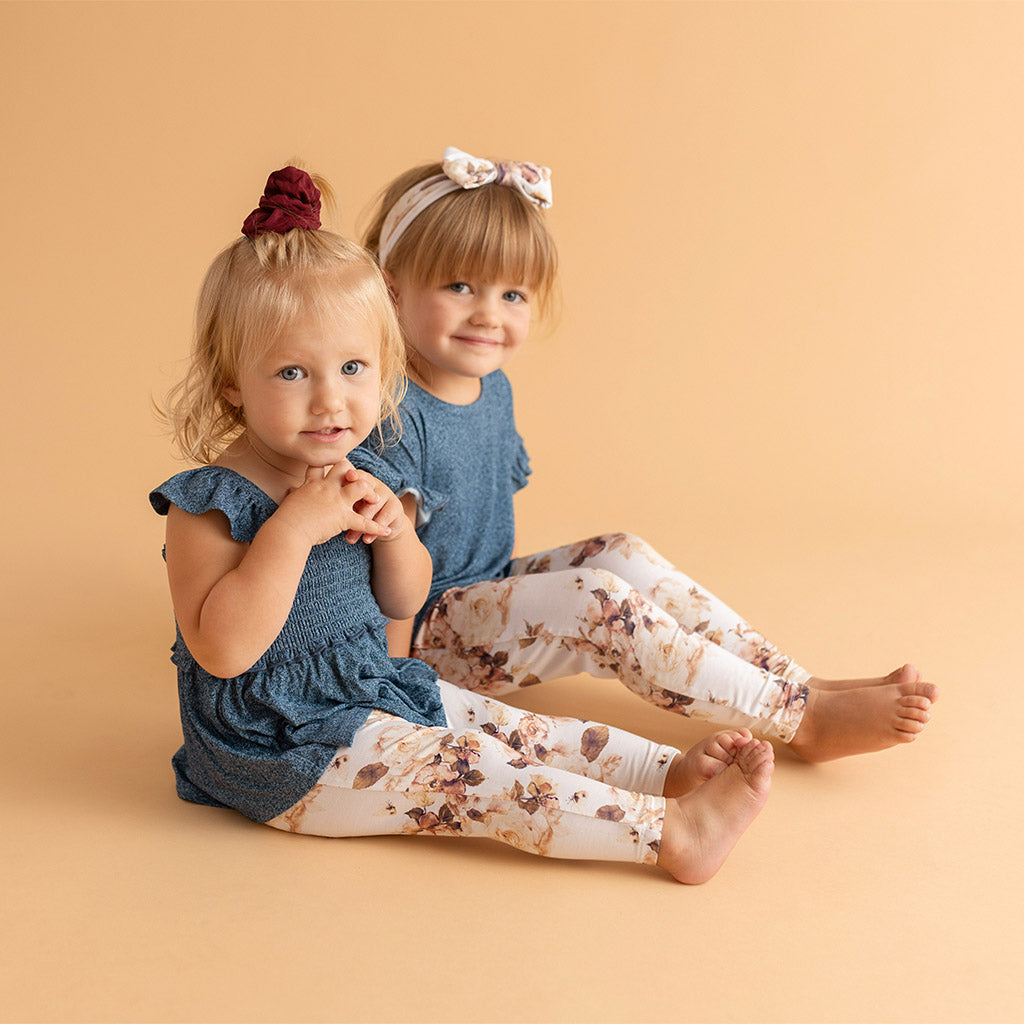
328,396
486,309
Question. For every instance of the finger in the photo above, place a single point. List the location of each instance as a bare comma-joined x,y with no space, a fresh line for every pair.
368,508
361,490
360,524
340,469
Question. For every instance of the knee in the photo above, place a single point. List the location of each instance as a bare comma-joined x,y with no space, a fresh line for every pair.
591,580
632,544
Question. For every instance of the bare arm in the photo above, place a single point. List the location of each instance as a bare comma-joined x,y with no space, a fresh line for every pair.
231,599
399,631
402,569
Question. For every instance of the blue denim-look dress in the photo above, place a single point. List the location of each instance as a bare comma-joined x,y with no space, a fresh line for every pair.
463,464
260,741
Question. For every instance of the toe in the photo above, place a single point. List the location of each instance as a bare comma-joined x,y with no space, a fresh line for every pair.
906,674
910,712
918,703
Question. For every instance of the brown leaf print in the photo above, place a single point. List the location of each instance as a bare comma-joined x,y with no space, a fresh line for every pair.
369,774
586,550
593,741
424,819
610,812
535,565
533,632
530,680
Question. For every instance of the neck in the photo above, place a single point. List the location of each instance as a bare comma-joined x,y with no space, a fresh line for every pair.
448,387
288,474
246,457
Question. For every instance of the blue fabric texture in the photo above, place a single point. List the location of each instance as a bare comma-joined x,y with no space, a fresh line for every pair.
260,741
463,464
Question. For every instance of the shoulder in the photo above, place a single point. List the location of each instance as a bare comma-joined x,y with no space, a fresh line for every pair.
496,385
496,396
214,488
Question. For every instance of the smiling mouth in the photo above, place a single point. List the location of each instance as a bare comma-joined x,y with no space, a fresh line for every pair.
468,339
325,434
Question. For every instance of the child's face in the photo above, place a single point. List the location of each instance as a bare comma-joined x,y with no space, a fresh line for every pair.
315,394
461,331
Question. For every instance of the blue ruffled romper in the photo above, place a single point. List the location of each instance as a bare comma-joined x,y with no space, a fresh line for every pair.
260,741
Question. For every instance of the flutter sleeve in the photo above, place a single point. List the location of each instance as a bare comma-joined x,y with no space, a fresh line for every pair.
520,464
398,461
212,488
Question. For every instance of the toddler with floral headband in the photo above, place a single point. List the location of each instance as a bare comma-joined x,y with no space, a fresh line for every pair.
283,561
469,259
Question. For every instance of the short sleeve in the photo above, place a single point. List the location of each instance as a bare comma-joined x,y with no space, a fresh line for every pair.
397,462
520,465
212,488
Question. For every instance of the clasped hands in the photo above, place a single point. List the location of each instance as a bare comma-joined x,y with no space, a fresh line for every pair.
343,499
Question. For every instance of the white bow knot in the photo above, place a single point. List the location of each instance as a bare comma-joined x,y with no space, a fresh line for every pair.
461,171
532,180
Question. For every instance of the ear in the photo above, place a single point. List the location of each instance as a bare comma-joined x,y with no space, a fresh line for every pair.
232,394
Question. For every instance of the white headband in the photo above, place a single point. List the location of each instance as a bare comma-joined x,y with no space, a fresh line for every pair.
461,171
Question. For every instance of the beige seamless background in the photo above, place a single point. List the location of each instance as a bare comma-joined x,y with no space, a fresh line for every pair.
789,355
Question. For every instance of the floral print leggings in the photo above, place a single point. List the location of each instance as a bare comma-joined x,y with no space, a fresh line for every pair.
547,785
612,606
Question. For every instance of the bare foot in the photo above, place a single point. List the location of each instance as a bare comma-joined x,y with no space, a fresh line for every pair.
702,828
704,760
838,723
903,674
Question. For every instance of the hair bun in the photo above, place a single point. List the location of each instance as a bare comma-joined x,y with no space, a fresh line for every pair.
289,200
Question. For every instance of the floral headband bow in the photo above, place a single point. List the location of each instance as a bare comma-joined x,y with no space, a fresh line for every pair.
461,171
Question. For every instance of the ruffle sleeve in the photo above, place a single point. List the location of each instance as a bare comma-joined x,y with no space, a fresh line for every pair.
211,488
520,465
372,463
400,481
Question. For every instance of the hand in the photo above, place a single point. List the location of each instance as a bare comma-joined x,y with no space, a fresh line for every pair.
335,501
385,510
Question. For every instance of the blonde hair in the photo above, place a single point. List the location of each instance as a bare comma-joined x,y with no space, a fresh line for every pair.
252,292
492,232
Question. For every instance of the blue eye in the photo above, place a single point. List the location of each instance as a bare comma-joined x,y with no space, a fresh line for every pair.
291,373
459,287
352,367
514,296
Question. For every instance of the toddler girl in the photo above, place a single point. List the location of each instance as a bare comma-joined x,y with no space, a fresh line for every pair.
469,258
292,711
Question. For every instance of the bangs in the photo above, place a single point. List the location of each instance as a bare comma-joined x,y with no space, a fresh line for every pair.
489,233
272,299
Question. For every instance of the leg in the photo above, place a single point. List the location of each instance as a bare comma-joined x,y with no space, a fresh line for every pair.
534,625
695,609
498,635
587,749
467,781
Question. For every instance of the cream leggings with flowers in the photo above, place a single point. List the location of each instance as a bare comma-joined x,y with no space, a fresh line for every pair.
551,786
611,606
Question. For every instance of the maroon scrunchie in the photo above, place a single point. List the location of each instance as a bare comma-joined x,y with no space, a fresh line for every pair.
290,200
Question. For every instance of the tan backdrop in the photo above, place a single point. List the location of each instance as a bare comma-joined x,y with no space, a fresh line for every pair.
789,355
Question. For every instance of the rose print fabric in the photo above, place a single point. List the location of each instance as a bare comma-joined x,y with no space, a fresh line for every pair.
547,785
612,606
